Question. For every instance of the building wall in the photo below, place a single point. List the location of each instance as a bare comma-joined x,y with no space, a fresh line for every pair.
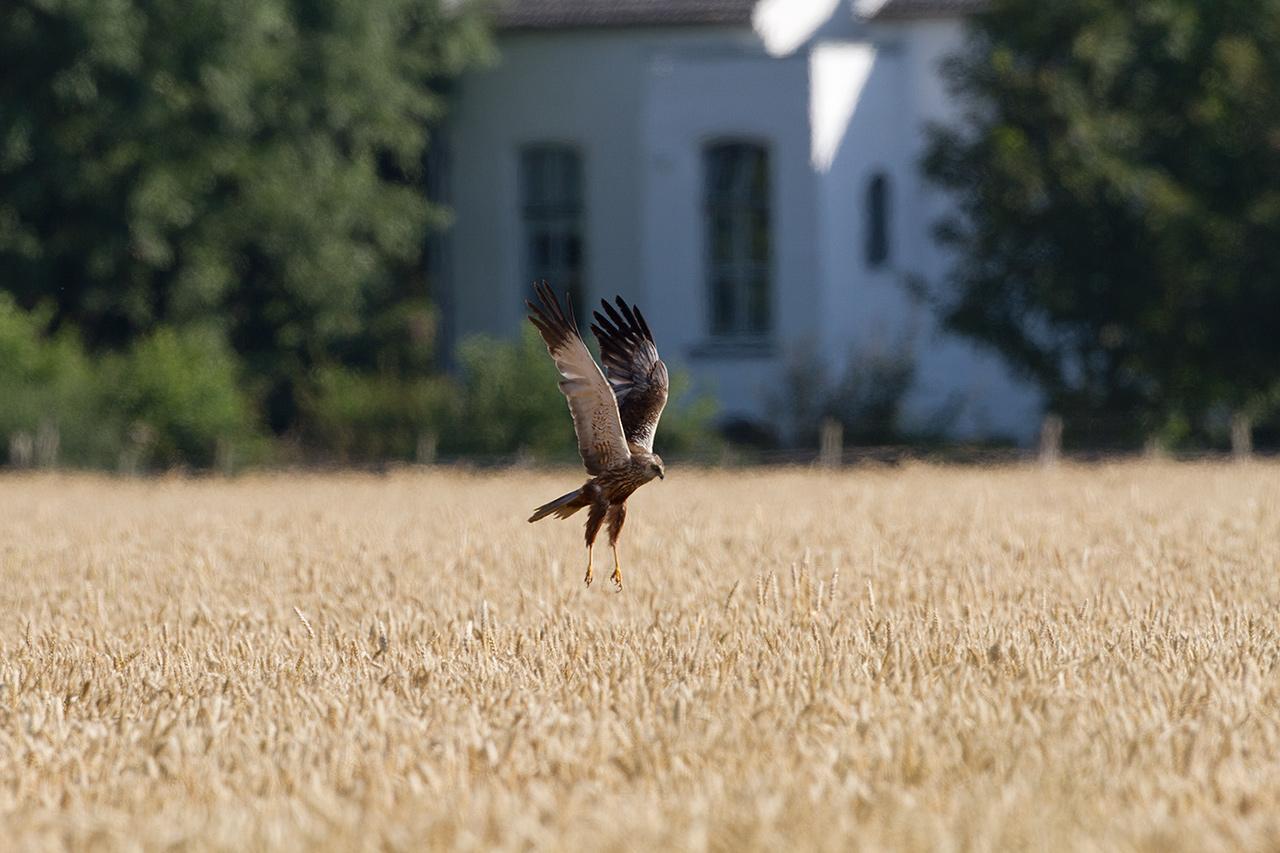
693,100
860,122
640,104
582,89
873,98
993,401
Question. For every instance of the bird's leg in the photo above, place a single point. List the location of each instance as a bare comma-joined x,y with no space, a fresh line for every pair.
594,519
617,515
616,577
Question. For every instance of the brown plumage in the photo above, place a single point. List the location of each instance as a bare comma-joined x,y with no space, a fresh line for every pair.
614,419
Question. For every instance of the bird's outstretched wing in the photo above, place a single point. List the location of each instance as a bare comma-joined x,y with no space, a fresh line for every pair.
596,422
638,376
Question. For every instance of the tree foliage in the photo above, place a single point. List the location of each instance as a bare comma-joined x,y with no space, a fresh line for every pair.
246,168
1118,178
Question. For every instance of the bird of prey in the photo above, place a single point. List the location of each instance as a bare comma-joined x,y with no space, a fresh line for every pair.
614,419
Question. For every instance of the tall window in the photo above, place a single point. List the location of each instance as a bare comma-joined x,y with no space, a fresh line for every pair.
877,222
551,207
739,241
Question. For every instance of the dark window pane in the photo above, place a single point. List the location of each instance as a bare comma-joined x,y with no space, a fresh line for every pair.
553,176
551,183
758,305
740,168
721,237
738,239
722,313
540,256
551,179
718,173
530,178
557,238
572,186
877,237
759,218
758,172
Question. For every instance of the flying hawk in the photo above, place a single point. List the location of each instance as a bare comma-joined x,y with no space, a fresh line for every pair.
615,419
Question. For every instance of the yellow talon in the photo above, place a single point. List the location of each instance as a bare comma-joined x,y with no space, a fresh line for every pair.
587,579
616,577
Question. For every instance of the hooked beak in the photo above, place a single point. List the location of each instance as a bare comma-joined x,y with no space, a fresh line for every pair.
662,475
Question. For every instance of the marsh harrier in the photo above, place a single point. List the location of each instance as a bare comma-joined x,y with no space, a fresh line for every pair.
615,419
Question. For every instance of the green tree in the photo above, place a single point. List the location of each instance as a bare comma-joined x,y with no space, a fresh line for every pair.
1118,177
249,169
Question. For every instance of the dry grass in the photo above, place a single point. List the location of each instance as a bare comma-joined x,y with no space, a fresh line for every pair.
1083,658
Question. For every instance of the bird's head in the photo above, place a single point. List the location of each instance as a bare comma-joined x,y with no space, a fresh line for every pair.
655,467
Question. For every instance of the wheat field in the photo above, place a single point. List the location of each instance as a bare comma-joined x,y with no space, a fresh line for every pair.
935,658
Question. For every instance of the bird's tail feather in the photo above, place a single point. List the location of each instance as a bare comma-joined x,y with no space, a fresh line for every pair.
563,506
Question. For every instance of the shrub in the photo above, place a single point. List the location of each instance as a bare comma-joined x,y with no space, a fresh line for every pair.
510,402
53,402
866,398
180,396
688,426
176,399
355,417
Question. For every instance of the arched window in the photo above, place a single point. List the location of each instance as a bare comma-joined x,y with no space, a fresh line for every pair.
877,222
552,211
739,239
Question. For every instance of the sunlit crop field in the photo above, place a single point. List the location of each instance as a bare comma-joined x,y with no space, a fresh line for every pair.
917,658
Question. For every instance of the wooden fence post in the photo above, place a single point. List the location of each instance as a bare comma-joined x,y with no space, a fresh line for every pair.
224,457
831,443
1241,436
1051,439
48,442
134,453
425,452
22,450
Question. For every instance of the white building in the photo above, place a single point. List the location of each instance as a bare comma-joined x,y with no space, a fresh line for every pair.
747,172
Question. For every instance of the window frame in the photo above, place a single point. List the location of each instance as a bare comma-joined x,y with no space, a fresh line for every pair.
877,243
743,267
559,215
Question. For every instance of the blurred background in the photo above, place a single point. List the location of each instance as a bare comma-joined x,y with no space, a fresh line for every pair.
278,232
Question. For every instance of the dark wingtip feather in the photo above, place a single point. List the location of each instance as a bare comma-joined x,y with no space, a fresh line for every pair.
626,312
549,317
618,322
568,304
550,303
644,327
629,322
604,324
